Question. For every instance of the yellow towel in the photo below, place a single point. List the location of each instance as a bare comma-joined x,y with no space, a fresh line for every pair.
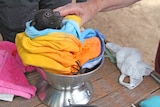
75,18
56,52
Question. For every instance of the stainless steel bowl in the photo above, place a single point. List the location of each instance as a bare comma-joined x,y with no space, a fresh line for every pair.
66,90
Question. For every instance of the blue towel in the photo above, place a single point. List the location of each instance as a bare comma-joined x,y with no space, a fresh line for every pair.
69,26
153,101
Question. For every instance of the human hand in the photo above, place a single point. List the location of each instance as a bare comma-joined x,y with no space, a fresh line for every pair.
86,10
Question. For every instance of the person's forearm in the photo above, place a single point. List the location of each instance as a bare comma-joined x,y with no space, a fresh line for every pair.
107,5
87,10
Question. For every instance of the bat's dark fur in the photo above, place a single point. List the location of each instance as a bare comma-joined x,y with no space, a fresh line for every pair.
46,18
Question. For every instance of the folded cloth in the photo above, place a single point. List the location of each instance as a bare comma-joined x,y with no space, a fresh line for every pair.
153,101
12,78
56,51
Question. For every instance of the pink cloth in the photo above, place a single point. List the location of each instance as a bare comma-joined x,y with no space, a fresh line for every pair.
12,78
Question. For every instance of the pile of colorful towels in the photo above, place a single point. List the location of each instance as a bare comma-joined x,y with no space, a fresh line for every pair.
58,51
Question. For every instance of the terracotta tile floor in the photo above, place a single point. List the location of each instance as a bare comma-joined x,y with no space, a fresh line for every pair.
107,91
